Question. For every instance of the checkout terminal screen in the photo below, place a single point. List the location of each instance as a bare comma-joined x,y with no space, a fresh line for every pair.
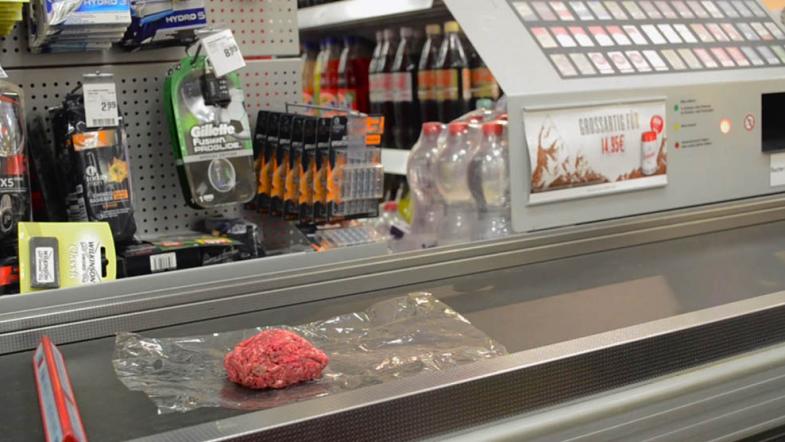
611,38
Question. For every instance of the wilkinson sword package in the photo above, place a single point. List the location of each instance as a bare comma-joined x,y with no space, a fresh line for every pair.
158,23
58,255
211,135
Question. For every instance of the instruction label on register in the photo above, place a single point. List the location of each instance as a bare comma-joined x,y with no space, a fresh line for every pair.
778,169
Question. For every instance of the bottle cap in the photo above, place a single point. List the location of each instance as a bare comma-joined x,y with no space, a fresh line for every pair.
390,206
493,128
379,35
648,137
432,128
504,117
407,32
457,128
452,27
389,34
433,30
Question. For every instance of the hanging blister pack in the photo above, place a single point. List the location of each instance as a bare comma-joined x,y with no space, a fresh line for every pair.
76,25
211,135
160,23
14,179
92,150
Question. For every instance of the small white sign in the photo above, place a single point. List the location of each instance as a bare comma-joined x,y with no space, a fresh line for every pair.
778,169
100,102
2,73
223,52
45,265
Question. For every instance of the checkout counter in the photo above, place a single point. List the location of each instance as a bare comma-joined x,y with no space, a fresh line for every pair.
649,304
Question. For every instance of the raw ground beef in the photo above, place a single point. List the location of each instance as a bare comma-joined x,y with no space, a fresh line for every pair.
274,359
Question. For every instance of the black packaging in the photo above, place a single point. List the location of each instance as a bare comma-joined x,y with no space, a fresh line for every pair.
44,169
267,154
176,253
281,163
322,162
245,232
307,170
94,165
14,178
339,142
294,170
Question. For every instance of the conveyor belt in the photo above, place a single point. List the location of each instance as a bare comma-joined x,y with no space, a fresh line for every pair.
524,308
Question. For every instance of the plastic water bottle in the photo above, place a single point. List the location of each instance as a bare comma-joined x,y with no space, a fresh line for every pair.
452,165
489,179
428,206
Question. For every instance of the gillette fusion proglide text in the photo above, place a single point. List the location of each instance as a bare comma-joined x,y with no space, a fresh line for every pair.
211,135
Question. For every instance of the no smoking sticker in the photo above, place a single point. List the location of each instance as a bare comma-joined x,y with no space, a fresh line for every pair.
749,122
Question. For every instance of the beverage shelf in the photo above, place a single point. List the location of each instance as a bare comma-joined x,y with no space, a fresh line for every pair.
394,161
349,12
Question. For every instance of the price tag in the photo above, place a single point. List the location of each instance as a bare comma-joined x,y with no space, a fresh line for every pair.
223,52
100,102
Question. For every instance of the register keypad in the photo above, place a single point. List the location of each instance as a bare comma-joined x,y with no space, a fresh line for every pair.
593,38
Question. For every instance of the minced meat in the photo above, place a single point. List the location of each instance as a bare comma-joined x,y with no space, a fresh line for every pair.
274,359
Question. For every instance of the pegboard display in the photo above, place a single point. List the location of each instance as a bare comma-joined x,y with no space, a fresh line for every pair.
158,198
262,28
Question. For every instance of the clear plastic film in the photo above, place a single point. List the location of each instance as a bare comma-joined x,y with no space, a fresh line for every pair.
393,339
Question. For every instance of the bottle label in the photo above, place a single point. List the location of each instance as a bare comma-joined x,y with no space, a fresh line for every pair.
425,86
388,87
449,87
403,87
373,88
347,98
484,85
328,98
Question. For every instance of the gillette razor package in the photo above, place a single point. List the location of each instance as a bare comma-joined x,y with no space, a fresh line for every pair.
76,25
94,164
159,23
211,135
14,179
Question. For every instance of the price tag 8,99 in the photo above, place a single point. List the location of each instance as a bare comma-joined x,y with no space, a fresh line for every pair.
223,52
100,102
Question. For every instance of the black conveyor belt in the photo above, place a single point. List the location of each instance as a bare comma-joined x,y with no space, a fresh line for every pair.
523,308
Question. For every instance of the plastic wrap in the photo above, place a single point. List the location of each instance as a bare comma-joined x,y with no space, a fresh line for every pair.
393,339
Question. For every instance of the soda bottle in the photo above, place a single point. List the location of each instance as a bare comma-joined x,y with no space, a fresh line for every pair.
453,77
489,180
387,91
426,91
427,203
374,79
310,54
406,102
316,81
353,75
328,94
452,166
483,84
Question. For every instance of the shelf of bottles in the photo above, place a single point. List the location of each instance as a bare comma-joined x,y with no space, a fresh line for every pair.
319,14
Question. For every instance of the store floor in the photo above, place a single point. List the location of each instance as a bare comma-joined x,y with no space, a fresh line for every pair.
523,308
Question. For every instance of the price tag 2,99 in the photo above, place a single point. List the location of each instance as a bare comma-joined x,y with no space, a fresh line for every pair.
100,102
223,52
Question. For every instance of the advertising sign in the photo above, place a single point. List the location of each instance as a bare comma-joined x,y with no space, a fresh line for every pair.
579,152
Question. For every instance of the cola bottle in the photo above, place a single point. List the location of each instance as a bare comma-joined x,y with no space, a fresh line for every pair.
428,206
452,166
426,77
489,180
485,89
406,103
453,77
